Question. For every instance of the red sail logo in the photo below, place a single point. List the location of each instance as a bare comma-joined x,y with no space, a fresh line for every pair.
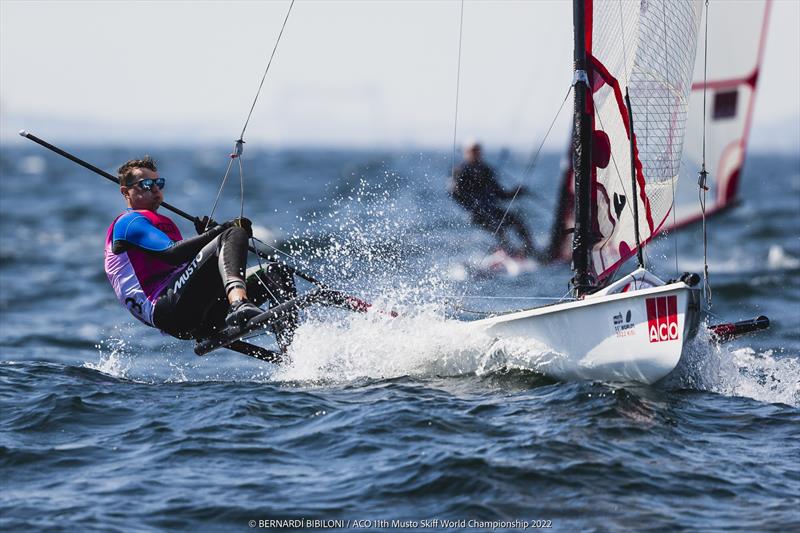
662,318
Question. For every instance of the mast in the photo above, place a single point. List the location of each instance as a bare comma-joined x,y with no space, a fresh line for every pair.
581,155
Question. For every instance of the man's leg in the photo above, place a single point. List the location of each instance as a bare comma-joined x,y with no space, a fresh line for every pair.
514,221
197,297
232,262
186,309
232,265
275,284
490,218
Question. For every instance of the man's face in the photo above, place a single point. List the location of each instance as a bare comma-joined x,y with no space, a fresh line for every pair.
139,198
472,154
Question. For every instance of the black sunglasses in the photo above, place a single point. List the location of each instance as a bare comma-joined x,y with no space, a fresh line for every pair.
147,183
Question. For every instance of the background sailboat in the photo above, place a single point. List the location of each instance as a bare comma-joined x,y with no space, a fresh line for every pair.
735,53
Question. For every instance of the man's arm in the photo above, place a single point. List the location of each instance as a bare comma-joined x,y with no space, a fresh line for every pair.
141,234
490,187
455,180
508,194
493,185
185,250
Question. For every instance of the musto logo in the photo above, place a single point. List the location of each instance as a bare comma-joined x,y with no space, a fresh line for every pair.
188,272
662,318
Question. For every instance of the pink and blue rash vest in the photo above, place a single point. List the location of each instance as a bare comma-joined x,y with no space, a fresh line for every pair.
137,277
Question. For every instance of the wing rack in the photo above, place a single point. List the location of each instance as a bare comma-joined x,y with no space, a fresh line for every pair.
230,336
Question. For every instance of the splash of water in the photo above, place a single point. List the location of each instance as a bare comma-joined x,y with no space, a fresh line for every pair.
365,240
778,259
421,342
732,371
114,356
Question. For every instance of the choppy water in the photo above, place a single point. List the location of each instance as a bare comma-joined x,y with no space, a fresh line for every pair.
107,425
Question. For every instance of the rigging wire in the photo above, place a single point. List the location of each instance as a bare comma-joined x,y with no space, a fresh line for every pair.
703,175
296,260
219,193
532,163
534,160
673,231
238,150
458,86
566,297
253,239
548,298
527,171
239,146
266,70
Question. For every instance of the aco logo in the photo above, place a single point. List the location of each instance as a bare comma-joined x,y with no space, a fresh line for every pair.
662,318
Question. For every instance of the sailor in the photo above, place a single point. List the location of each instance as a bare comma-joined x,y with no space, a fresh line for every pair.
189,287
475,188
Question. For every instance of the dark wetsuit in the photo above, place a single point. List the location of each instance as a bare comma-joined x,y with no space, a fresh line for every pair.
191,300
476,189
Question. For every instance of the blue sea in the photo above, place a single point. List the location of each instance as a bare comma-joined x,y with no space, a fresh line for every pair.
379,423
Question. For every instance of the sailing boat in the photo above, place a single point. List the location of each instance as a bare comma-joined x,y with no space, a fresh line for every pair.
634,329
633,70
729,84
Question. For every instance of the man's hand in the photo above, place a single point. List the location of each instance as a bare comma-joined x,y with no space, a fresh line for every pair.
203,224
245,223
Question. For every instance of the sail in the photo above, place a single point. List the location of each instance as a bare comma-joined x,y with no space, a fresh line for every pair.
648,48
737,31
559,248
736,36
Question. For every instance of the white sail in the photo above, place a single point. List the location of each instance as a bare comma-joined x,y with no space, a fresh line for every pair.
736,36
649,48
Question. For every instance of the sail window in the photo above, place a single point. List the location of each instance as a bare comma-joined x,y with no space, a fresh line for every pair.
725,104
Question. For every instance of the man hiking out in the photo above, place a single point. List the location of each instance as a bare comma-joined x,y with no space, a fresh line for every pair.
188,288
476,189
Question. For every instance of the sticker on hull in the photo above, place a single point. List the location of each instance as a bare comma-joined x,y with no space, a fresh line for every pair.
623,324
662,318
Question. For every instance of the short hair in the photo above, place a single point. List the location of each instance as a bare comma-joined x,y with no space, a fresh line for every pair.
472,144
125,172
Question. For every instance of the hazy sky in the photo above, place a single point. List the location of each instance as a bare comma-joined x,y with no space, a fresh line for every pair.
346,73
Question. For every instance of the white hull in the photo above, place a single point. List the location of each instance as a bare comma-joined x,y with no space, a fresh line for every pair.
635,335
